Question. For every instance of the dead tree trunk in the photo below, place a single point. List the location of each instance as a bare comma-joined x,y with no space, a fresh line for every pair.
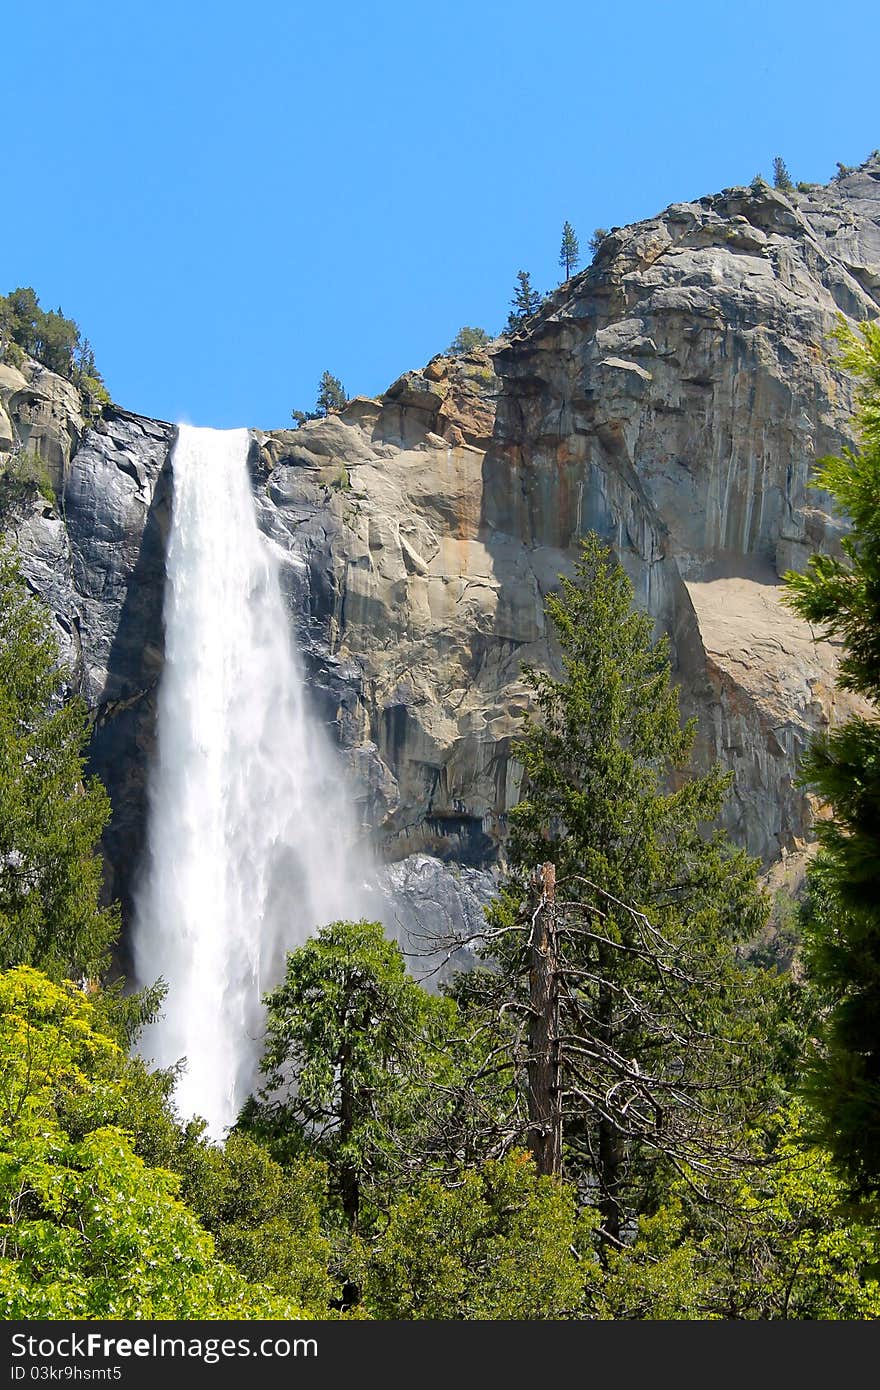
610,1144
545,1116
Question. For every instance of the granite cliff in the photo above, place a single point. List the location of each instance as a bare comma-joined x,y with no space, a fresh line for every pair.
673,396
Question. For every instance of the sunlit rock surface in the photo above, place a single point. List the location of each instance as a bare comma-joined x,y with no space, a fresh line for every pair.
673,396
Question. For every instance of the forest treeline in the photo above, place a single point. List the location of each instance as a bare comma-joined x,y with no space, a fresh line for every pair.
624,1111
56,342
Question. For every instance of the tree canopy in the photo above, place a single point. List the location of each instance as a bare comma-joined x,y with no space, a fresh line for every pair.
351,1044
88,1229
466,339
331,397
51,815
654,1052
840,594
51,339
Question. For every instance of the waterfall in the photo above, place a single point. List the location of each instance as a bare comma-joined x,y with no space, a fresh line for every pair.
250,839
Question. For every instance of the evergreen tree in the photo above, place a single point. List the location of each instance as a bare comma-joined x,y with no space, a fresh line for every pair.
639,1039
331,397
526,301
50,818
351,1044
781,176
597,238
57,340
841,596
49,337
569,253
20,310
331,394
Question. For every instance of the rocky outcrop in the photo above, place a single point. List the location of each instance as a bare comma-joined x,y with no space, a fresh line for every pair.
673,396
47,413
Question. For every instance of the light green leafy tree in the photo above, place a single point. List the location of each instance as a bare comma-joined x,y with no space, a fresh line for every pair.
776,1244
87,1229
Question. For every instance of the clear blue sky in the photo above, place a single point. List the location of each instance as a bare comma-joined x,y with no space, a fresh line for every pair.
230,198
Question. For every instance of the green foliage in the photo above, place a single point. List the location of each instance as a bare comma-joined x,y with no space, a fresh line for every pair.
19,312
783,1245
569,252
758,184
331,394
88,1229
662,1043
351,1042
598,754
502,1243
51,819
53,340
780,939
843,170
656,1277
466,340
526,302
781,176
23,476
11,353
597,238
88,381
264,1220
774,1244
841,597
331,397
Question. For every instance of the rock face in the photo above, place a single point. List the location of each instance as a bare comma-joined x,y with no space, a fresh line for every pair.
674,397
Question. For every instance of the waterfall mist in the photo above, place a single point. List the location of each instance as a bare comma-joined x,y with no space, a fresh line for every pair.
250,837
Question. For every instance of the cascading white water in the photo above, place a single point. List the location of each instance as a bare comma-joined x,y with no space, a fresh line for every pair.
250,836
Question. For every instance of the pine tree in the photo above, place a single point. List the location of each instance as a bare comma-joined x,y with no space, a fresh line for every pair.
781,176
841,596
526,301
625,947
569,253
331,394
50,818
331,397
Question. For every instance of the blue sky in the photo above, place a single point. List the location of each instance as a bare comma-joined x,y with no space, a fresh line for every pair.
230,198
